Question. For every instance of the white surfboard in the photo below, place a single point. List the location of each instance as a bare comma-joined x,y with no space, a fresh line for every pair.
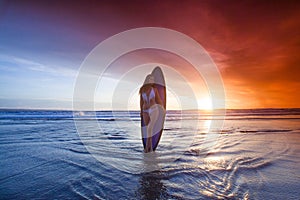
160,84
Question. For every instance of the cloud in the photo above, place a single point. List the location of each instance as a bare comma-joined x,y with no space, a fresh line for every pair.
255,44
35,104
13,63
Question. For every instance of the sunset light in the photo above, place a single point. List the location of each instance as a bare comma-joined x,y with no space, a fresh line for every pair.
150,99
258,71
205,104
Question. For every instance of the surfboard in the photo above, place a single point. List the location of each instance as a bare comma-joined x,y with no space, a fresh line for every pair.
160,84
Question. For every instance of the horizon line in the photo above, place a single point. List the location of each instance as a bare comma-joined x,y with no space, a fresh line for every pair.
85,110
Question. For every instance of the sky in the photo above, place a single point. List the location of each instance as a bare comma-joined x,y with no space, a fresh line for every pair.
254,44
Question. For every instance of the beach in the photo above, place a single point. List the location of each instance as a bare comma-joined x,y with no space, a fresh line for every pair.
47,154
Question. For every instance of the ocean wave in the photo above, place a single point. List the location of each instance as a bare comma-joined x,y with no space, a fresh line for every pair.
49,159
250,114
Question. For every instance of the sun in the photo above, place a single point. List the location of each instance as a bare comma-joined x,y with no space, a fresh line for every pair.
205,103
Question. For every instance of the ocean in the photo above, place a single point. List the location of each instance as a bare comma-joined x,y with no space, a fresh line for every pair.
54,154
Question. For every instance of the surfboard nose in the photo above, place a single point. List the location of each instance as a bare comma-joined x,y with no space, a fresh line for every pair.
158,76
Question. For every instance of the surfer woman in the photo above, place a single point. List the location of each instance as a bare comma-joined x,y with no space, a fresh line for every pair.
149,102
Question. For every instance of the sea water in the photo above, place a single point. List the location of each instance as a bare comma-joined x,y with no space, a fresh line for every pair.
48,154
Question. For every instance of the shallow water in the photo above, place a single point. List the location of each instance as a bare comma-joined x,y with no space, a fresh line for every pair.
44,155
